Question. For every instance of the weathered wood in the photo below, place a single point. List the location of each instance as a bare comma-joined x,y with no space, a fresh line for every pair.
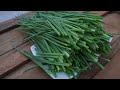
24,72
12,60
10,39
113,20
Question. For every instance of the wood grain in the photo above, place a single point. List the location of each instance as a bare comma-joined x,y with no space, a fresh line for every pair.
10,39
12,60
24,73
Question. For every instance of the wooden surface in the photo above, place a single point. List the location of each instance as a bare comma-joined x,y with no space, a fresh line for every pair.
13,64
21,73
11,60
10,39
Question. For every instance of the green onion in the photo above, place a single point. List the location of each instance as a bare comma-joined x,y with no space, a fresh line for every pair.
67,41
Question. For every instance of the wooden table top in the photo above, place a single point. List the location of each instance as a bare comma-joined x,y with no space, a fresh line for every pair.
13,65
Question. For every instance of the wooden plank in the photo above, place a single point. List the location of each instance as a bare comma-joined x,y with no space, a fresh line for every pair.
113,20
24,73
12,23
10,39
13,59
111,24
8,25
10,61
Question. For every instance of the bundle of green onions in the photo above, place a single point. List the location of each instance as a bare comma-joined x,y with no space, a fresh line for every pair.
66,41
